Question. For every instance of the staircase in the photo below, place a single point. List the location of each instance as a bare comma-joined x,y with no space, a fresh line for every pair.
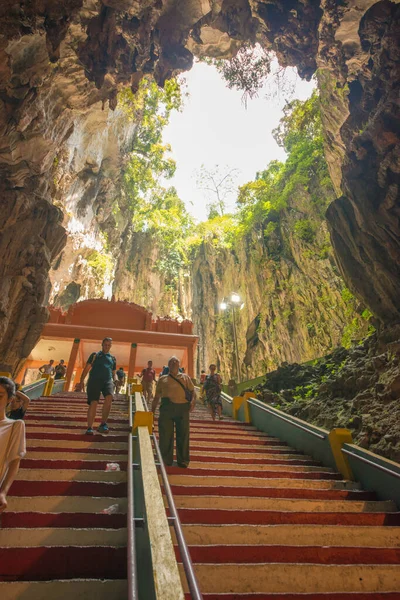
57,538
265,522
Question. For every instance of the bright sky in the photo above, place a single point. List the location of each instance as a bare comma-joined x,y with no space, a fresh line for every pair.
215,128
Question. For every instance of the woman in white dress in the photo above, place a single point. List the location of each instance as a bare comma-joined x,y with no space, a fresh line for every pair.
12,442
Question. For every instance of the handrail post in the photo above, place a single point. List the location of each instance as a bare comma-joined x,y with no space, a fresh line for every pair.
131,549
337,437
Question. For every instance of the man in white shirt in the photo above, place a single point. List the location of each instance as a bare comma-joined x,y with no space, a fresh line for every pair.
47,369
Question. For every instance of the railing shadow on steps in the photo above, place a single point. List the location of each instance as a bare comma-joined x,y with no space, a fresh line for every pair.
155,569
333,448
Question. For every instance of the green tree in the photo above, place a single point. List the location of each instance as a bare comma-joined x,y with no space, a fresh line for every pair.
300,134
150,109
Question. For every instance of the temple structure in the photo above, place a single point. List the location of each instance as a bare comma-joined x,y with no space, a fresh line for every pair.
137,338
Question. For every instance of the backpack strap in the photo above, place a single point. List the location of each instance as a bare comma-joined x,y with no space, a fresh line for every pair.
177,381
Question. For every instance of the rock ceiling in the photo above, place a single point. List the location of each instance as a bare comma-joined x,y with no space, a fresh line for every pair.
60,62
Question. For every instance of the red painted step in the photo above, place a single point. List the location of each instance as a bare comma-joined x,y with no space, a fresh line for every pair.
55,463
70,562
69,488
55,427
75,520
188,490
56,451
32,416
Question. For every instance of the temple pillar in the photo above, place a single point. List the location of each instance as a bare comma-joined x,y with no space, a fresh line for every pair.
21,374
72,362
78,373
132,361
190,359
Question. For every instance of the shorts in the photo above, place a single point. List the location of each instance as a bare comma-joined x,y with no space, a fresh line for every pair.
95,388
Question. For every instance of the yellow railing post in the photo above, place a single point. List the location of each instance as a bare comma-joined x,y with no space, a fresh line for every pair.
337,437
237,402
49,387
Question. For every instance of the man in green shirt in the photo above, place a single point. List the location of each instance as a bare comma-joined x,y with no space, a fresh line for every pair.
101,367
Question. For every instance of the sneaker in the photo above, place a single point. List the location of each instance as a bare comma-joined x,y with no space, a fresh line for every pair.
183,465
103,428
89,431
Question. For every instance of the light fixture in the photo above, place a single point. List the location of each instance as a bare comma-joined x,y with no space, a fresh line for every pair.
235,298
223,306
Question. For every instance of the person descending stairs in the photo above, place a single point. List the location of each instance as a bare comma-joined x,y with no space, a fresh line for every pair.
64,532
263,521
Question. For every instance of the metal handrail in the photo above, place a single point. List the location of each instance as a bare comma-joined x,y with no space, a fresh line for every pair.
226,397
131,548
182,545
34,384
320,436
369,462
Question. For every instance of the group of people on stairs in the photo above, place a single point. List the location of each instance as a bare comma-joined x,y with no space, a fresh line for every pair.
175,393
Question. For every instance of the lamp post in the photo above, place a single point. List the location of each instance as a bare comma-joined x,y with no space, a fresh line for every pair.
233,302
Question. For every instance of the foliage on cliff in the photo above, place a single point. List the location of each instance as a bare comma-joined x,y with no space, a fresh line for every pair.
154,208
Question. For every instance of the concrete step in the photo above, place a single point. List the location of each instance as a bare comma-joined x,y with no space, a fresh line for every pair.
65,419
79,435
295,578
266,473
270,517
293,554
283,505
293,535
255,482
239,467
322,596
87,441
258,459
81,589
70,475
60,504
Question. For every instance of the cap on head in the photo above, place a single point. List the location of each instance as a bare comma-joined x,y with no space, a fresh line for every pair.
173,359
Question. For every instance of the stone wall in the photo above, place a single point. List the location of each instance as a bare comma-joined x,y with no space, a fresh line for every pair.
61,61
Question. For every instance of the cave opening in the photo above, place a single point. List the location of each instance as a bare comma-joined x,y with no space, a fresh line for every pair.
64,160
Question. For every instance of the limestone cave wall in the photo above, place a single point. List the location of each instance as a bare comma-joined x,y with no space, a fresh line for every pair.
295,304
61,62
